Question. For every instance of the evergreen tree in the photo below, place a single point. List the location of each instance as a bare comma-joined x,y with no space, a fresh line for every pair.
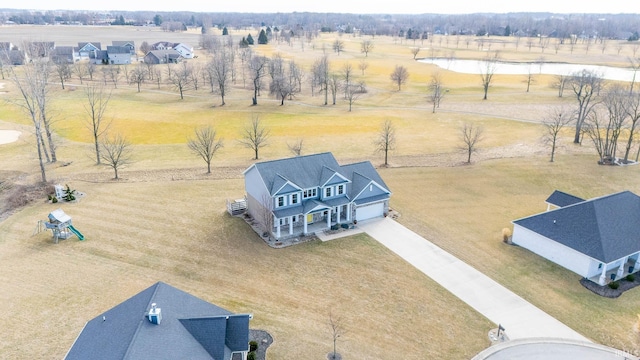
157,20
225,31
250,39
244,43
507,31
262,38
409,34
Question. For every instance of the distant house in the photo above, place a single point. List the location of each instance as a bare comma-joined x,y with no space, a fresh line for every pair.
185,50
64,54
162,57
86,48
130,45
163,322
314,189
598,239
118,55
99,57
38,50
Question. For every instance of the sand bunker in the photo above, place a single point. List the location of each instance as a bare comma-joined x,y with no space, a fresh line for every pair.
9,136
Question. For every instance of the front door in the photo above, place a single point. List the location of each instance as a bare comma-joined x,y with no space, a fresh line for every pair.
309,218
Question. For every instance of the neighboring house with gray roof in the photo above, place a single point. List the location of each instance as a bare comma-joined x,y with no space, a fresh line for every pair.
598,239
64,54
314,189
119,55
162,57
561,199
163,322
86,48
130,45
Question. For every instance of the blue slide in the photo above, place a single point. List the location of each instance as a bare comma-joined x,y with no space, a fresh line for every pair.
76,232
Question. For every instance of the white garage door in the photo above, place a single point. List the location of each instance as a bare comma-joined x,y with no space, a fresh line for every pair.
369,211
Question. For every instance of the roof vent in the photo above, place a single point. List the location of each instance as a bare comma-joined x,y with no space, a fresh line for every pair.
155,314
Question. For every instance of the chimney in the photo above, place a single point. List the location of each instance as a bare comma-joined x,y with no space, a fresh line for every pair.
155,314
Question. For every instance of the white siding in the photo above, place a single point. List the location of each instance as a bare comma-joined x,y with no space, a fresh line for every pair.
255,189
553,251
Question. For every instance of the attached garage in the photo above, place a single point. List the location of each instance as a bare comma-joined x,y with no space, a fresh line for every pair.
369,211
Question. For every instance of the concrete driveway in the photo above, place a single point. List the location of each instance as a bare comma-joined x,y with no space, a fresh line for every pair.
520,319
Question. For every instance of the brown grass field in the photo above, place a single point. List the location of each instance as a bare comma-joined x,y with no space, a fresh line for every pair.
165,219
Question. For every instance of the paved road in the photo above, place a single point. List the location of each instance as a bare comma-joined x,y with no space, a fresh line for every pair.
551,349
501,306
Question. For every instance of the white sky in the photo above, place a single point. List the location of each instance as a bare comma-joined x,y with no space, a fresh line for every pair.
338,6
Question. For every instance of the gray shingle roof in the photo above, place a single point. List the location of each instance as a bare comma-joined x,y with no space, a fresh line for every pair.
190,328
562,199
605,228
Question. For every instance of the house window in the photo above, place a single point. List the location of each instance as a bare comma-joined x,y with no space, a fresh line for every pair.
327,192
600,266
340,189
309,193
294,198
280,201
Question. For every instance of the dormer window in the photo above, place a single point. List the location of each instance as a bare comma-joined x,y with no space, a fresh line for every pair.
294,198
340,189
309,193
280,201
327,192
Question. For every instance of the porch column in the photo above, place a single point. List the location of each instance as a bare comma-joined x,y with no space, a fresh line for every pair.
603,276
621,268
304,220
329,218
277,228
348,212
290,225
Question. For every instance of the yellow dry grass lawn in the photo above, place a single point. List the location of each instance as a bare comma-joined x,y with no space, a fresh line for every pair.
148,228
178,232
463,210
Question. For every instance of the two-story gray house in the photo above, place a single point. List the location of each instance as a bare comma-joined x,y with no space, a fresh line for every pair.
314,189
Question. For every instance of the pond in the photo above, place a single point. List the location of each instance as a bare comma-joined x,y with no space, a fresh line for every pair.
513,68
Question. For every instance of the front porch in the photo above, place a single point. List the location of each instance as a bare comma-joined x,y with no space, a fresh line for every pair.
630,266
316,219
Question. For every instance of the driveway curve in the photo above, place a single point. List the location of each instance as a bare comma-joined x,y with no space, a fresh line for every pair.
520,319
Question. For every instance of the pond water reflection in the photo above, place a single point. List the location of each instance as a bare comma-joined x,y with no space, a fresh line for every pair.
512,68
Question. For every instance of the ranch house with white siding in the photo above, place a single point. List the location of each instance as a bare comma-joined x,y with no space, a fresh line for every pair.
309,193
598,239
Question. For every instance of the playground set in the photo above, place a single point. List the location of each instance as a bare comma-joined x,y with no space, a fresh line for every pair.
60,224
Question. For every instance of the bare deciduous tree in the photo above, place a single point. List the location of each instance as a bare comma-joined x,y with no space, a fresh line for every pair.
470,135
296,147
180,77
30,85
604,125
554,122
560,82
347,76
633,111
366,46
205,144
96,105
255,136
487,70
415,51
258,66
363,65
386,140
320,71
116,153
219,73
399,76
354,91
436,91
338,46
265,214
337,331
80,68
138,75
585,85
63,70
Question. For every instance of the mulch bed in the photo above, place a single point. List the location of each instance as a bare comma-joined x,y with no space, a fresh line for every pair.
606,291
264,340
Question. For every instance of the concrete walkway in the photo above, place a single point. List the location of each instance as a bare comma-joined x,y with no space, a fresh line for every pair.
520,319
